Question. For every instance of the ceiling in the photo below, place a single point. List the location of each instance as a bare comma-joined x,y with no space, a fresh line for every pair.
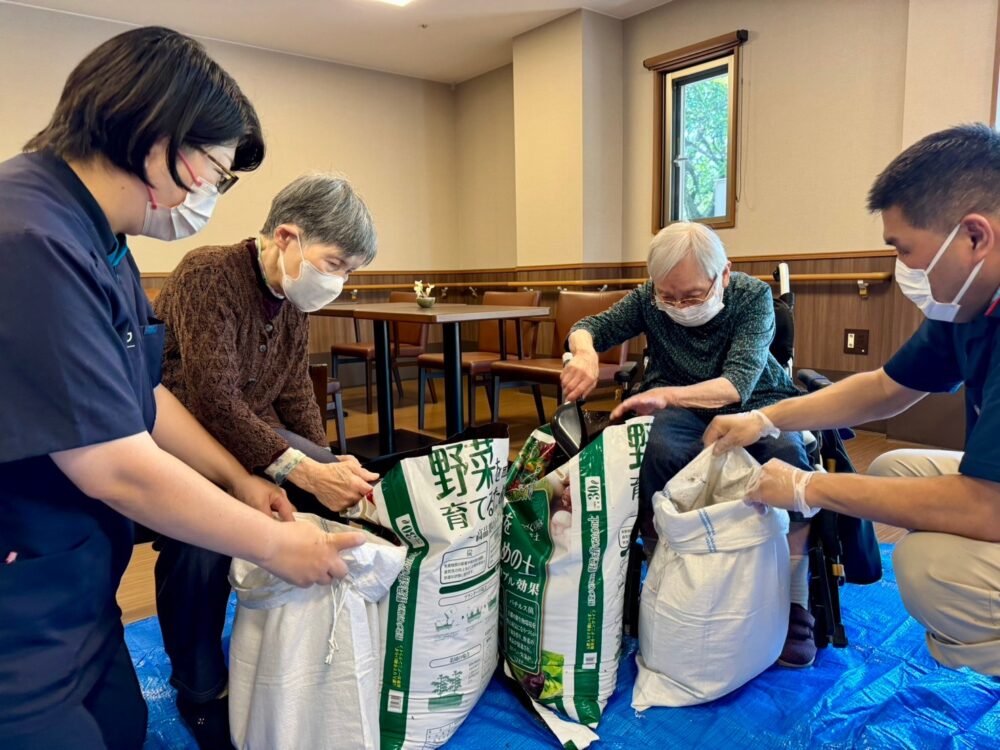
440,40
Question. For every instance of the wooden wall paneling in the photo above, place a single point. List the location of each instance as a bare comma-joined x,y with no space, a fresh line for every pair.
822,310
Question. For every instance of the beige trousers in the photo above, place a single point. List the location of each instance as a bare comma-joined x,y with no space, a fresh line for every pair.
949,584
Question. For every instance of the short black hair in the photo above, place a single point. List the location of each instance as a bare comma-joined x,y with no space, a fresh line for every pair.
943,177
144,85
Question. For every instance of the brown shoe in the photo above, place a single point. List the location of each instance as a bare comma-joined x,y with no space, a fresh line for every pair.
800,645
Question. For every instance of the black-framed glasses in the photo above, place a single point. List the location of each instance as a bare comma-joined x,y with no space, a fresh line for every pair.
228,178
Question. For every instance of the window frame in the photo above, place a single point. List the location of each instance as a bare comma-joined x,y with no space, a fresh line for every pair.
663,68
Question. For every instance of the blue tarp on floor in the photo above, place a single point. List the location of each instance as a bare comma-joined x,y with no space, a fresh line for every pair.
882,691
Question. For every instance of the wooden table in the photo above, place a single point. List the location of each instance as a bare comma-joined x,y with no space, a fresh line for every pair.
450,317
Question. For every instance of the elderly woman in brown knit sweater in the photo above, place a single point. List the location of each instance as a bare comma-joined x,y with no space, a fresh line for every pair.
236,354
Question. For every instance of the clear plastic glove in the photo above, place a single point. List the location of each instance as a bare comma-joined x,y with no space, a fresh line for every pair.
738,430
782,486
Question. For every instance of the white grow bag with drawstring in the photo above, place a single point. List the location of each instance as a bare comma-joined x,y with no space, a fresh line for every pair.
714,608
305,663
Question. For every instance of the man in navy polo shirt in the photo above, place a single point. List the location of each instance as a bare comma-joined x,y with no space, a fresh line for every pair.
940,207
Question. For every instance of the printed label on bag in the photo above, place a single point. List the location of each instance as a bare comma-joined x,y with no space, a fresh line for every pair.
395,703
593,494
441,617
526,550
566,541
465,563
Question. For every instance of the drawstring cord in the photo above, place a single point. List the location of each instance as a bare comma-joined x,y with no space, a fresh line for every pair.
338,605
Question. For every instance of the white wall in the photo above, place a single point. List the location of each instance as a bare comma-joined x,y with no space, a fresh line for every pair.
486,212
548,161
394,137
823,90
548,142
949,65
602,138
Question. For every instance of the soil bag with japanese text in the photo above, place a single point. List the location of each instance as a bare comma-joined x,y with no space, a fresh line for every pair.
566,534
439,622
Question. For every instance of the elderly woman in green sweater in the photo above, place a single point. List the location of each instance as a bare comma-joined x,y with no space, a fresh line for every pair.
708,330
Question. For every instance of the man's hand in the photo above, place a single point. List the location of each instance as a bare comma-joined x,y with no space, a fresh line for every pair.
647,402
337,485
579,376
781,485
738,431
264,496
304,554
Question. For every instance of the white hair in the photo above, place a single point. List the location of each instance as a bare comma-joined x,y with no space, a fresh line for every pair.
677,240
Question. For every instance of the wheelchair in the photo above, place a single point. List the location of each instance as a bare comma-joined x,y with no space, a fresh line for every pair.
841,549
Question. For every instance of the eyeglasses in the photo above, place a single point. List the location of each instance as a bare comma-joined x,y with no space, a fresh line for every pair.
687,301
227,180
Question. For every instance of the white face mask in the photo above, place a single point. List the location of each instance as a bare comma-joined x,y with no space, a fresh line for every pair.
313,289
185,220
695,315
915,284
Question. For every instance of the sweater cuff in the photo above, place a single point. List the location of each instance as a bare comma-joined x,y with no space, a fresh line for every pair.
284,464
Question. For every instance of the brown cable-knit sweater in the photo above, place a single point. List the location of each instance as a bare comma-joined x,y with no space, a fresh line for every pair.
236,355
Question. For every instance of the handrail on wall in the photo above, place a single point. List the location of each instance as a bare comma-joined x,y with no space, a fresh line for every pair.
863,280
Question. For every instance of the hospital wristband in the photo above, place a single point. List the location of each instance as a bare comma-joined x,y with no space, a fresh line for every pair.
284,465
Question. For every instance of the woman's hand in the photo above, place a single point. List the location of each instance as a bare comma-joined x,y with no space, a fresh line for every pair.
337,485
264,496
304,554
647,402
579,376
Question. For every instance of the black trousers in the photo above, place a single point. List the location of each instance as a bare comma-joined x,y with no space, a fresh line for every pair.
192,592
111,717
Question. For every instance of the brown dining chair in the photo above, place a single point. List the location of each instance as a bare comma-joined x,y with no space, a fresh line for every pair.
536,371
409,341
477,364
325,389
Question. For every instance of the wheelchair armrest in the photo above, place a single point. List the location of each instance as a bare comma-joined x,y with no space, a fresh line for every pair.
626,374
812,380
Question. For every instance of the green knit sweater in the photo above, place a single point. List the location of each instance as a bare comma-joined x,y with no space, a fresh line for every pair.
733,345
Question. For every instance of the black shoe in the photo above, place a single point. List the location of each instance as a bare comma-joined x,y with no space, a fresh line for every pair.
800,644
208,722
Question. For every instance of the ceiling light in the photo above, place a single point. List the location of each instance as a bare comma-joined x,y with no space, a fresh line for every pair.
400,3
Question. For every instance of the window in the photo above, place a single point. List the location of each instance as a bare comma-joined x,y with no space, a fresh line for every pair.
695,116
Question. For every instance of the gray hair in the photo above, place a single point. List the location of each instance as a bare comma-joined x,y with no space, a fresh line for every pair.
327,211
677,240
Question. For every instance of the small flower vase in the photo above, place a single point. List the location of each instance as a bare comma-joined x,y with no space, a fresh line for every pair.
426,302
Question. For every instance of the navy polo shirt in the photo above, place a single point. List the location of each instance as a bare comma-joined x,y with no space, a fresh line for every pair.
941,357
79,358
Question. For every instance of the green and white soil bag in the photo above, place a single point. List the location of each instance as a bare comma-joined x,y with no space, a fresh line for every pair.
714,607
564,560
304,663
439,622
